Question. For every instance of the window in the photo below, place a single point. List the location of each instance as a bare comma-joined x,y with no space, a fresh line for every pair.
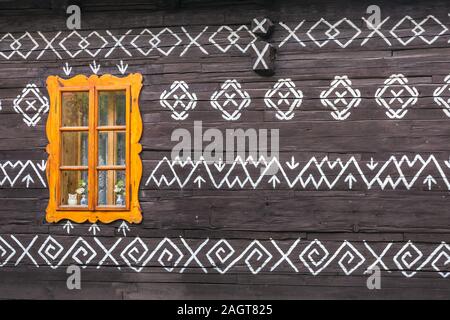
94,168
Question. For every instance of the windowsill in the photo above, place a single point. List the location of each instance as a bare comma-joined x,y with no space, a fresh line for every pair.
77,207
80,207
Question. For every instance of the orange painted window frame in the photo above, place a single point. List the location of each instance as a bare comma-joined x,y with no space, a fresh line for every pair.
132,212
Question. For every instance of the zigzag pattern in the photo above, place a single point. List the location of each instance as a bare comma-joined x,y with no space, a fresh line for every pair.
426,172
221,255
27,173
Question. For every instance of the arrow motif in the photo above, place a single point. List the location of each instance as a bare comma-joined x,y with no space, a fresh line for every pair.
274,181
372,165
68,226
350,180
292,165
94,67
122,68
124,228
42,166
447,163
94,229
430,181
67,70
199,180
220,165
28,179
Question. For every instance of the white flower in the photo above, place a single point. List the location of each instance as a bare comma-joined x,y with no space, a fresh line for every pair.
117,189
80,191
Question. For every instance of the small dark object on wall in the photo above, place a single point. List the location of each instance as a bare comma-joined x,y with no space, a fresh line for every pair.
263,58
262,27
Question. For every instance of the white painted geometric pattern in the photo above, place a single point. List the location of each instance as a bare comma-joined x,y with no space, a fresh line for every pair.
396,96
26,173
333,32
284,95
102,43
15,45
231,99
83,43
396,172
225,38
340,97
405,31
155,42
442,96
417,29
408,258
222,256
31,104
179,100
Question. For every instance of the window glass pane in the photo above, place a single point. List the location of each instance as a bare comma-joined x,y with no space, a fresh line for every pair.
111,108
111,188
75,109
74,188
111,148
74,148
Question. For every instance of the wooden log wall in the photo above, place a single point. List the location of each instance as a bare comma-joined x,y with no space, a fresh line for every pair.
354,186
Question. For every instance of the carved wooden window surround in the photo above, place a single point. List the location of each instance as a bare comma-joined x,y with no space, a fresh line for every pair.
94,167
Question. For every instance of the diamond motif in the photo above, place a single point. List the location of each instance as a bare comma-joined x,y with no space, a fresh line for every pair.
83,44
178,96
396,96
340,97
418,30
15,45
36,45
408,21
244,47
350,40
444,29
171,46
328,32
332,32
155,40
77,52
284,94
233,37
144,33
229,38
440,96
31,104
98,36
230,100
